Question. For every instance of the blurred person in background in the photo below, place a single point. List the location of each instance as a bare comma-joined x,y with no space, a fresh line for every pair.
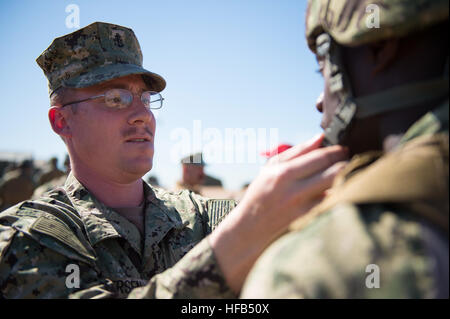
195,179
17,185
51,172
54,182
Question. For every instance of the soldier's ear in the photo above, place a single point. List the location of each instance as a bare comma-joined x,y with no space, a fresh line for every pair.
58,121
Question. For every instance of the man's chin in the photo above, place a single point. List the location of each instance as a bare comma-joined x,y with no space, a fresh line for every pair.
139,167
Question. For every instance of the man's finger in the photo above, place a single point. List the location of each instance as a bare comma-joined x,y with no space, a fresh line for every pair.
316,161
301,149
317,184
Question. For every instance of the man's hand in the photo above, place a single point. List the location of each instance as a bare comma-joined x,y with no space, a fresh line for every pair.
287,187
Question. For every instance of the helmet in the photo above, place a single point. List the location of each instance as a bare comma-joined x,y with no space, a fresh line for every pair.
357,22
331,24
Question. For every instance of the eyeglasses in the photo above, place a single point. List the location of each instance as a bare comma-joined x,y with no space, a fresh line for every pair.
121,98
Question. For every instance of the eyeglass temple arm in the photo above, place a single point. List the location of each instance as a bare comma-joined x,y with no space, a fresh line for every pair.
89,98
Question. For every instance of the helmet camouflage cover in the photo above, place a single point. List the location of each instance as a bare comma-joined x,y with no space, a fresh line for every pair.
352,22
357,22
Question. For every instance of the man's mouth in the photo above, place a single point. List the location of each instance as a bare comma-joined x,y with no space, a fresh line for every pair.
138,140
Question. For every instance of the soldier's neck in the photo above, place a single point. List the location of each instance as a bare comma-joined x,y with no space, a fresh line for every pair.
110,191
383,132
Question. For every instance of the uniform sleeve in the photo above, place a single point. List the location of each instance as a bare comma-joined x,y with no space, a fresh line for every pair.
348,252
213,211
196,275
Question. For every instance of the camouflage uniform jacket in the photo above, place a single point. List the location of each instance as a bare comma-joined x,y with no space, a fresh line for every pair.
47,244
382,232
180,185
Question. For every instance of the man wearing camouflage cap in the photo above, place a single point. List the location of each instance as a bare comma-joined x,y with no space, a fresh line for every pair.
106,233
195,179
193,174
382,230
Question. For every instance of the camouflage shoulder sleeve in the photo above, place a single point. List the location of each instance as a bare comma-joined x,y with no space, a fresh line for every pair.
349,252
208,212
213,210
197,275
37,250
30,270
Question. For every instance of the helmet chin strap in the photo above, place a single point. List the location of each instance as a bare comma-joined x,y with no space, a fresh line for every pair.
351,109
344,116
401,97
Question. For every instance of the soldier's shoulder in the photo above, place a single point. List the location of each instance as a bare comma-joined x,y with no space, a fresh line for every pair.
331,257
50,186
55,205
54,199
211,181
48,222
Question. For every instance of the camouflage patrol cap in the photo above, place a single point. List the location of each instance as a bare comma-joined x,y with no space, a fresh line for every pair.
94,54
194,159
353,22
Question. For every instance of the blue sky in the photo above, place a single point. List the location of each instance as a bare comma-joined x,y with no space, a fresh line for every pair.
236,65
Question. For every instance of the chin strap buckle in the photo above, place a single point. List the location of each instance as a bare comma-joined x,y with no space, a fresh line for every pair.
340,123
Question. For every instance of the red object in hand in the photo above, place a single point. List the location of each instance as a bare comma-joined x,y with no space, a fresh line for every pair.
279,149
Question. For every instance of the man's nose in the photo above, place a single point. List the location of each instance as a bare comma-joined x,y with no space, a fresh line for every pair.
140,113
319,103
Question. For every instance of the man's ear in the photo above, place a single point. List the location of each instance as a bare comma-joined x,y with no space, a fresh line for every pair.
383,54
59,122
